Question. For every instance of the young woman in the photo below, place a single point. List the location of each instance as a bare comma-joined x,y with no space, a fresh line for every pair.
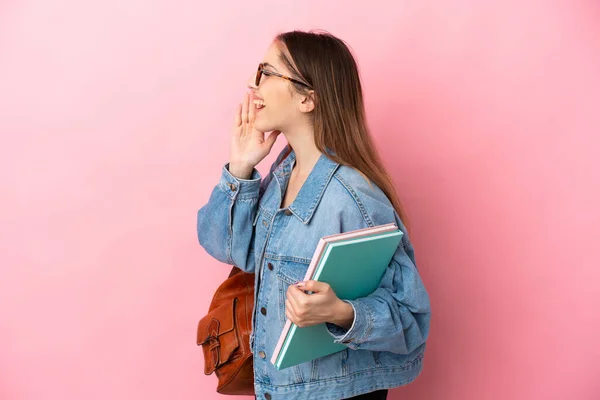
328,179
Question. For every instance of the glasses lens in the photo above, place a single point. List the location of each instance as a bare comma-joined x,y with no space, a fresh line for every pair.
258,74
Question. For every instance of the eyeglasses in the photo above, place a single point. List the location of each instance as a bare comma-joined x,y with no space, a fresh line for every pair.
262,70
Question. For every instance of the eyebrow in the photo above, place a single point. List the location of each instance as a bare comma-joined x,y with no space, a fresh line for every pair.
266,64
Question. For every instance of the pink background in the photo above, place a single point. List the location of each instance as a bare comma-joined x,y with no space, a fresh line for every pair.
115,120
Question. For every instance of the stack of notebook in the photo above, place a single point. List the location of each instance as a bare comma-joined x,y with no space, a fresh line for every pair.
353,264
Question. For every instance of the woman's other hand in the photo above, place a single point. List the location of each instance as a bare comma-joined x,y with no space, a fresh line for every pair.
321,305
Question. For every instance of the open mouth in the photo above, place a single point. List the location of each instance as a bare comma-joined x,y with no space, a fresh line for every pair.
259,104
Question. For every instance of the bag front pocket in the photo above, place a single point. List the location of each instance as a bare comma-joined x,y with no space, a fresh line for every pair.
218,336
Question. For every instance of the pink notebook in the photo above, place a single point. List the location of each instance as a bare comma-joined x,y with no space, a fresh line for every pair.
315,261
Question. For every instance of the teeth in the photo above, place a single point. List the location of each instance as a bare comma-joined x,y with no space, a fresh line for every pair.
259,102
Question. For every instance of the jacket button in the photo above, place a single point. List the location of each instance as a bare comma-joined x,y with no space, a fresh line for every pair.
268,396
265,224
232,187
287,212
263,311
270,266
262,354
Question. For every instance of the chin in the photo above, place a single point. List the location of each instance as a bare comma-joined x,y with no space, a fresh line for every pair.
262,127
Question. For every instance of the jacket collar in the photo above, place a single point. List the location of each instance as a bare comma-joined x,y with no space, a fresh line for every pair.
311,192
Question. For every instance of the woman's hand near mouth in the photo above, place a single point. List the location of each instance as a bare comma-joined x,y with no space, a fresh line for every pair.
248,145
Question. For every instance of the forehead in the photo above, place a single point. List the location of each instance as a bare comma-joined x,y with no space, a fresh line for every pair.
271,57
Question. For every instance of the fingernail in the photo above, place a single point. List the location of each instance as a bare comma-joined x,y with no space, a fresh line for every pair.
300,284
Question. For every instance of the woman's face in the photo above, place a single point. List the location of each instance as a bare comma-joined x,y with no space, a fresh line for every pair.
275,101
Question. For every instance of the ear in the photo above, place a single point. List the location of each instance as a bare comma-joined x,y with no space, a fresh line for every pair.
307,103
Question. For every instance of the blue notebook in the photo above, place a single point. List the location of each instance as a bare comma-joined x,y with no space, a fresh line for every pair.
353,264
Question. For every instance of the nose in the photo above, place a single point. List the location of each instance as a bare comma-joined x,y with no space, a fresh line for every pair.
252,82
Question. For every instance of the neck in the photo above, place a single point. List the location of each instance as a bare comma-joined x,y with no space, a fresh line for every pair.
303,143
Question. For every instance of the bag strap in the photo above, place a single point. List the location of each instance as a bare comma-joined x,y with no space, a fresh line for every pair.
234,271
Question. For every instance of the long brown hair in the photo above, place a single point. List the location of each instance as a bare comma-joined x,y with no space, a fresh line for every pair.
326,63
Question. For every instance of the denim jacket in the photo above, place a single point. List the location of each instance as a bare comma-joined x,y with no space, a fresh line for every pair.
244,225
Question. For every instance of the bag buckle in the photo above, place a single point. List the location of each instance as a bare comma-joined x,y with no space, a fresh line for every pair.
212,340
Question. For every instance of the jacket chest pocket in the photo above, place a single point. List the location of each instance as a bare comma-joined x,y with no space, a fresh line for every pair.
288,273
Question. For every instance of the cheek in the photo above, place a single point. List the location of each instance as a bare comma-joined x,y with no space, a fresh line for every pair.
277,111
280,106
278,98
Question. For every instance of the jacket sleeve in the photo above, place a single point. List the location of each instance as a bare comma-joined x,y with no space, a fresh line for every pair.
396,316
225,224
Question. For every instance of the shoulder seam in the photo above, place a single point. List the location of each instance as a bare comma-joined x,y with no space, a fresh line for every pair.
357,200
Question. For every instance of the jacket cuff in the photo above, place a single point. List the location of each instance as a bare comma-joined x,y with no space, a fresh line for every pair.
240,188
360,329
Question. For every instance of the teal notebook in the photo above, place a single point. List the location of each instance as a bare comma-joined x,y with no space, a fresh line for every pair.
353,267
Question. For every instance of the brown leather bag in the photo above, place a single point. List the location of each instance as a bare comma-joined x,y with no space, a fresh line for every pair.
224,334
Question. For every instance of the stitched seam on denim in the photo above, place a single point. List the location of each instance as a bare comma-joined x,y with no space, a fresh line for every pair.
314,373
297,374
352,394
251,195
230,230
256,215
247,197
281,310
357,200
336,395
285,277
276,257
370,324
223,186
248,201
405,367
266,212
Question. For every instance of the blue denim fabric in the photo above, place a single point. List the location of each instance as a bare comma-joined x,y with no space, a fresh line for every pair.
243,224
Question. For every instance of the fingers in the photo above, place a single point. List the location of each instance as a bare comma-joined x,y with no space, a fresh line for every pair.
237,121
292,314
289,307
245,109
314,286
251,111
295,295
